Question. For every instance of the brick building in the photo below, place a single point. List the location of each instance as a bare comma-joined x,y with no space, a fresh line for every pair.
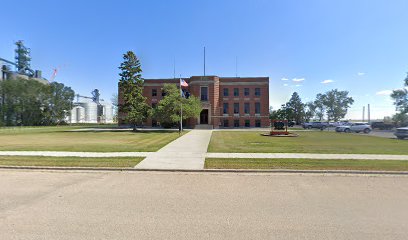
227,102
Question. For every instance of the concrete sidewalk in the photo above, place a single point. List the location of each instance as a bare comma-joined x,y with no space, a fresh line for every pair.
186,152
309,156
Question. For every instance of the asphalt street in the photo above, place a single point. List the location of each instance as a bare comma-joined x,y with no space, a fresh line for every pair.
165,205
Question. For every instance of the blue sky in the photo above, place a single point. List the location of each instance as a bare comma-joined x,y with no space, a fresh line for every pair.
360,45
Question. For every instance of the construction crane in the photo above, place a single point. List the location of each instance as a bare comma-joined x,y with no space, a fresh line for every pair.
54,74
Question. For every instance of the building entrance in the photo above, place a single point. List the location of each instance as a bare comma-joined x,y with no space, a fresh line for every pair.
204,116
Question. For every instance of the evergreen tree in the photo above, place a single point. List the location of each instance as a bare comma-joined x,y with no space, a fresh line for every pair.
131,84
297,108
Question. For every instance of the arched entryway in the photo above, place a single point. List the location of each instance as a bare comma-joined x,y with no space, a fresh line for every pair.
204,116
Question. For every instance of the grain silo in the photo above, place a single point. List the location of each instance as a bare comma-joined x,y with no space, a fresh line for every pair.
91,112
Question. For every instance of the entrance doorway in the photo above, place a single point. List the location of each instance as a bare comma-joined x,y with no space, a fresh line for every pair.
204,116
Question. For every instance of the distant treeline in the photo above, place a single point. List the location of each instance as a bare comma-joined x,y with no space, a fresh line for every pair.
31,103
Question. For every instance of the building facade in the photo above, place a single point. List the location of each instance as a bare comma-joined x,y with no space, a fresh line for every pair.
227,102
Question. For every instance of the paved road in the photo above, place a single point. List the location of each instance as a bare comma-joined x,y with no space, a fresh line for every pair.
145,205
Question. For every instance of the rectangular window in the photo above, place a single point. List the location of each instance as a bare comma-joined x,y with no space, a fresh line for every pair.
163,93
226,92
257,92
257,123
257,108
154,92
247,123
236,123
204,93
225,108
236,108
246,91
246,108
236,92
226,123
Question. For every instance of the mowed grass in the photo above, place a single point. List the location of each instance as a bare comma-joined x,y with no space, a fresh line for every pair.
119,162
307,142
305,164
64,139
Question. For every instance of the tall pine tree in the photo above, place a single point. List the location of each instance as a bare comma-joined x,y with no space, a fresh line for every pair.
134,104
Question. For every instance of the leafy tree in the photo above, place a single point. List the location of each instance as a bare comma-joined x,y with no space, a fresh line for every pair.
400,97
115,104
336,103
400,119
296,108
60,102
169,108
131,84
319,106
29,102
310,111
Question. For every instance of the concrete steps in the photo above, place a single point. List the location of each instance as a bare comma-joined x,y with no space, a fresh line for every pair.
203,126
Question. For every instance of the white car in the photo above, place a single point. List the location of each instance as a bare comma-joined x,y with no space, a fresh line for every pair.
355,127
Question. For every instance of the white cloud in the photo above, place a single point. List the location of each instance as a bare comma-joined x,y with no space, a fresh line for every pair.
285,85
327,81
284,79
384,92
298,79
298,85
361,73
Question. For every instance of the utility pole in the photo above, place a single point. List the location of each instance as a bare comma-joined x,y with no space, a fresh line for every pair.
363,113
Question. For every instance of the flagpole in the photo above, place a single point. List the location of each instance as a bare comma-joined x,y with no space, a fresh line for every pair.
181,107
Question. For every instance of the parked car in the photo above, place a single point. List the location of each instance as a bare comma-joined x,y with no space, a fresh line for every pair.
382,125
355,127
401,133
319,125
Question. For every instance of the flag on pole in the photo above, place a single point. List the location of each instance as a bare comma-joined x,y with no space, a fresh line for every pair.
183,83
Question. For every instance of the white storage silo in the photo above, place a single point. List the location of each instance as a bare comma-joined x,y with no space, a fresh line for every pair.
80,114
73,115
91,112
108,112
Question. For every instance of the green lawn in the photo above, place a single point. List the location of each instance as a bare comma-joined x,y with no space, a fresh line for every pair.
120,162
305,164
63,139
307,142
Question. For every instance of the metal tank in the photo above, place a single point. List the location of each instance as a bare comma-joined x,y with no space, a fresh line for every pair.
108,112
80,114
73,115
91,112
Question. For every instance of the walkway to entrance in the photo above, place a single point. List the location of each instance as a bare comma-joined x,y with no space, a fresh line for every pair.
186,152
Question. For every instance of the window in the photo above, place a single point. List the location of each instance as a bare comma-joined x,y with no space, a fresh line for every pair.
257,108
236,108
236,123
225,108
236,92
257,123
257,92
204,93
247,123
154,123
246,91
163,93
226,92
154,92
226,123
246,108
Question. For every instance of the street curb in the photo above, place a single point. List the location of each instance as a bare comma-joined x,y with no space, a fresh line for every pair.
205,170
